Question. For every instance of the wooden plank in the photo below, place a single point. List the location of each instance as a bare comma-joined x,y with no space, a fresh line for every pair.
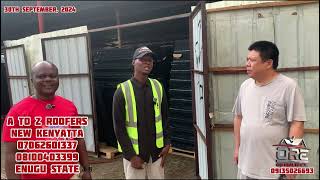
229,127
181,152
311,130
260,5
242,69
294,69
227,70
108,151
222,127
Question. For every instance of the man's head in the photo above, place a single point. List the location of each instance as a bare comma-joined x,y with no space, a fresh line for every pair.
45,79
263,57
143,60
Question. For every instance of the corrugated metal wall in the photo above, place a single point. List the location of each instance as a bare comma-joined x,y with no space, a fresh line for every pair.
17,74
75,87
70,55
19,89
16,61
295,29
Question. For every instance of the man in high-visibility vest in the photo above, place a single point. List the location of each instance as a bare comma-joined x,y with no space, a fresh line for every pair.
140,120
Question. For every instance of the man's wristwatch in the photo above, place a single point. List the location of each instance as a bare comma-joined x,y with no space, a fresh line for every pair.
87,169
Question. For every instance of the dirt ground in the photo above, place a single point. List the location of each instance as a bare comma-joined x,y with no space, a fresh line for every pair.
176,167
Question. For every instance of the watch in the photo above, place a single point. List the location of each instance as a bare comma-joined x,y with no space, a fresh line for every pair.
87,169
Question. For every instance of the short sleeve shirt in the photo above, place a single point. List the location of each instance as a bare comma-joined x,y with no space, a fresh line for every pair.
266,112
32,107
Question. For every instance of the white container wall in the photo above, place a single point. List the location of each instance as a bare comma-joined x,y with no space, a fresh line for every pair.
17,73
19,89
71,57
16,61
74,87
70,54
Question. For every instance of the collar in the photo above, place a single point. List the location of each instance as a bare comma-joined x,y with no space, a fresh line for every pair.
138,84
43,100
269,82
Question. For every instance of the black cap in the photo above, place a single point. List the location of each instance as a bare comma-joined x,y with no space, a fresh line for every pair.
142,51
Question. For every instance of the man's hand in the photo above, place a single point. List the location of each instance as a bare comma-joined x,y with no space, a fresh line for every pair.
83,158
236,130
136,162
163,154
86,175
10,151
296,129
236,156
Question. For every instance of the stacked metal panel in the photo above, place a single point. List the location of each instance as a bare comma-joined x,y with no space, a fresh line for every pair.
180,103
110,68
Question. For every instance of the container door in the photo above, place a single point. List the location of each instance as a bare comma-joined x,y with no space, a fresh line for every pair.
18,77
199,68
71,55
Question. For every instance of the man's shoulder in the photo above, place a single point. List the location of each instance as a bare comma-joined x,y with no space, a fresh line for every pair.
64,100
123,83
247,82
159,79
118,92
156,80
25,102
23,106
285,80
286,83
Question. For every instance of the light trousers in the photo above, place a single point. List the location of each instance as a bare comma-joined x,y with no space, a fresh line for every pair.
150,170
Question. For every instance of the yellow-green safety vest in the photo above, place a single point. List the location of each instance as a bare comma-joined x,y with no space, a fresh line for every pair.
131,112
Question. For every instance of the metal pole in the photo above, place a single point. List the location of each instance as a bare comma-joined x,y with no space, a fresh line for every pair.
40,19
140,23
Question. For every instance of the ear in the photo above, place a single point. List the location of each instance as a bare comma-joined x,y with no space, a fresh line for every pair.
270,63
133,61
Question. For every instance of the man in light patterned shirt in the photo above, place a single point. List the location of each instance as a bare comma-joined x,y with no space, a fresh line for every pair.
269,107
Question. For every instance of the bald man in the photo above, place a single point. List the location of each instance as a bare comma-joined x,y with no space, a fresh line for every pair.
43,103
